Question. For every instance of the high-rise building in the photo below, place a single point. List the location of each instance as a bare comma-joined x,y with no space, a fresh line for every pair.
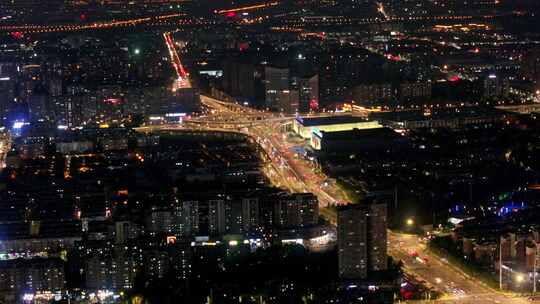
495,85
184,100
159,221
377,237
250,214
287,101
73,110
233,217
242,80
7,87
276,81
26,275
352,242
308,92
297,210
124,230
216,217
38,107
362,240
185,219
530,65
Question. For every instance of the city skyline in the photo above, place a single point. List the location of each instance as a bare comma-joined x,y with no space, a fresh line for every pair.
362,151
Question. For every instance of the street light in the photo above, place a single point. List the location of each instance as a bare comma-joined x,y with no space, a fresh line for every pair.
520,278
410,222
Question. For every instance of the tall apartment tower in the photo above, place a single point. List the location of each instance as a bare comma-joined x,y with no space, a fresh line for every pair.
362,239
377,237
352,242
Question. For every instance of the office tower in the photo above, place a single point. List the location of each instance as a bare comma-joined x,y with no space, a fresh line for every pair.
308,93
38,108
287,101
276,82
495,85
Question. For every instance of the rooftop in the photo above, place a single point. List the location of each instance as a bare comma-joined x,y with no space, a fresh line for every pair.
330,120
386,133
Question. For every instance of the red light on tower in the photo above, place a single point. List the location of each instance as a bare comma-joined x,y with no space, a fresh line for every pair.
17,35
314,104
113,101
455,78
230,14
243,46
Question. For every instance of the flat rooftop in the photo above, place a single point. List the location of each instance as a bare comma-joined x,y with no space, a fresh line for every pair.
354,134
330,120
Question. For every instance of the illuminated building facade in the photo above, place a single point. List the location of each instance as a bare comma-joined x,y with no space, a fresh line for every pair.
305,126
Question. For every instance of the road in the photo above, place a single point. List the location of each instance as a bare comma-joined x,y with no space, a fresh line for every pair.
182,80
439,274
295,174
159,20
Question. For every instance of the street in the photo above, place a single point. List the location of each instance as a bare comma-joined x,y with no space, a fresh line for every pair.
457,286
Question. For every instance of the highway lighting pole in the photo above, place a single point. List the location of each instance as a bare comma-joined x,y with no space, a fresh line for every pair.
534,266
500,264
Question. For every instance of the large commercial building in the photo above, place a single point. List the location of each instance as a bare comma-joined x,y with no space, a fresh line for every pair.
305,126
355,140
362,240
